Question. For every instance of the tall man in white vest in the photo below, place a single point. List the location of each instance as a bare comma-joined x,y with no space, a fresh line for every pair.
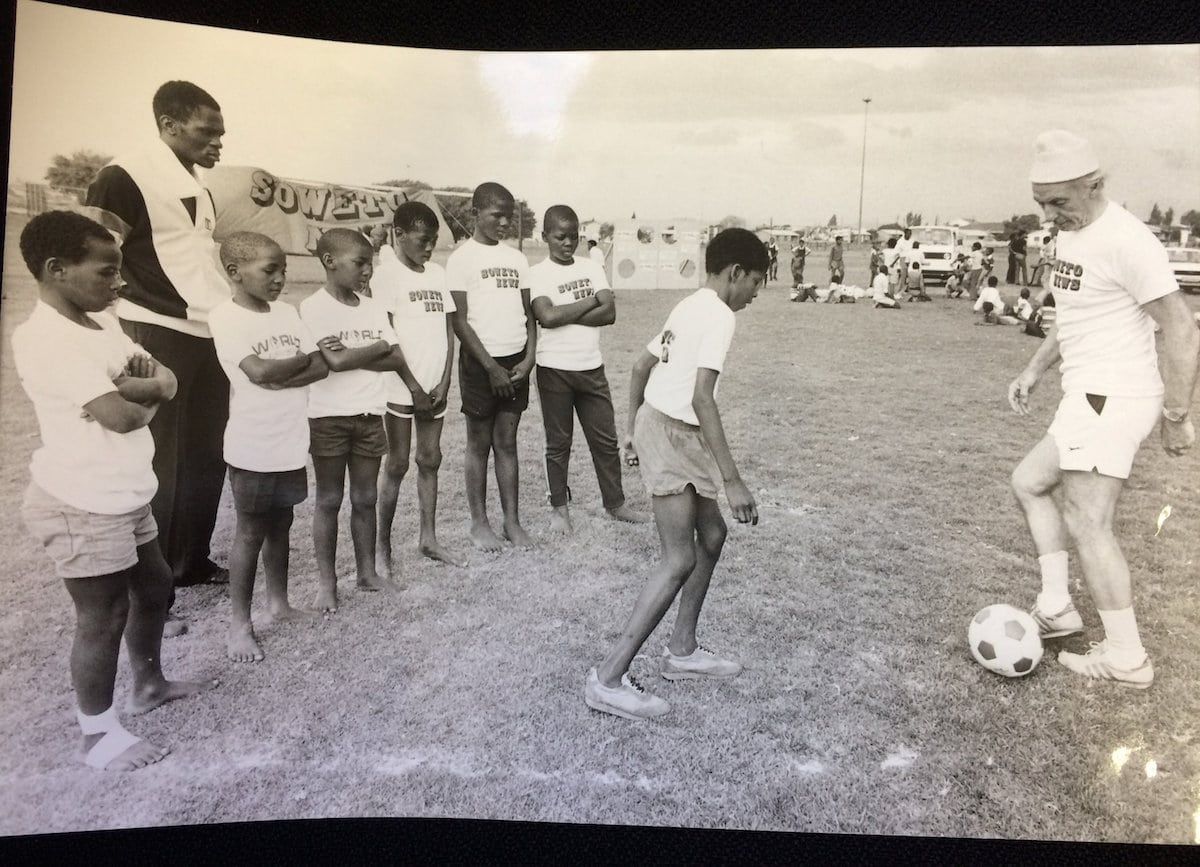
173,279
1112,284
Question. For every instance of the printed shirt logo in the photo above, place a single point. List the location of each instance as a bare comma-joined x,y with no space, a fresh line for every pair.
431,298
578,289
277,346
1066,275
353,338
505,278
667,337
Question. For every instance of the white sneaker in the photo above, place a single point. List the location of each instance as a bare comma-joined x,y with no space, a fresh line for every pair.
1065,622
701,663
629,700
1097,665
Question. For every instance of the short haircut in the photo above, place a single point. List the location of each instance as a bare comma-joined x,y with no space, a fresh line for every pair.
591,243
59,235
491,193
916,245
838,238
180,100
907,232
891,243
736,247
560,212
993,280
412,214
976,246
337,241
1024,293
988,306
244,247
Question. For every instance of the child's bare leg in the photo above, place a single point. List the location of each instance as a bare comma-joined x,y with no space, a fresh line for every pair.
675,517
101,610
504,444
395,467
330,474
429,461
241,644
710,538
275,552
475,463
364,495
149,589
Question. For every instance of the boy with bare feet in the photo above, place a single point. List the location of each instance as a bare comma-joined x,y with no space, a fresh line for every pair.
572,301
489,282
679,442
94,391
270,359
345,410
413,291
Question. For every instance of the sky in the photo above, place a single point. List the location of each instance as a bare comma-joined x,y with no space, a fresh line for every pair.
769,136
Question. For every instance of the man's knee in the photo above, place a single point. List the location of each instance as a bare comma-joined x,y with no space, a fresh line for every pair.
365,497
711,538
429,460
1085,521
679,565
396,465
105,618
328,499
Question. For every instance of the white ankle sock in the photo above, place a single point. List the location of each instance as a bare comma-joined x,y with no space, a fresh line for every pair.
99,723
1055,595
1121,636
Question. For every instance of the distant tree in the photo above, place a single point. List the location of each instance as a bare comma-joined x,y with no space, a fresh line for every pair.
731,222
1023,223
75,172
1192,220
1169,217
912,219
1156,215
832,221
606,231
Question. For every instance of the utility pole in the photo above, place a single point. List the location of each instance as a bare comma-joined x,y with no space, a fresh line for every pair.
863,171
521,228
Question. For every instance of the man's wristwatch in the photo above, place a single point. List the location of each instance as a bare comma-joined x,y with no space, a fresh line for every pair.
1174,417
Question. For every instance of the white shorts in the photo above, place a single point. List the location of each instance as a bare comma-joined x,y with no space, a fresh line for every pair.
1103,440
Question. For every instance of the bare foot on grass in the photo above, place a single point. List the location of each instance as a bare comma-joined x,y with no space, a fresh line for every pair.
326,602
484,537
137,755
174,627
385,565
285,613
516,534
434,551
560,521
630,516
373,584
149,697
241,646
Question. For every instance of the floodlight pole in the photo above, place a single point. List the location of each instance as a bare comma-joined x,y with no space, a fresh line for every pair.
862,174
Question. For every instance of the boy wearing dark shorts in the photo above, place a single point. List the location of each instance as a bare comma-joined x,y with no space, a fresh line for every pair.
270,359
345,410
678,440
94,392
489,282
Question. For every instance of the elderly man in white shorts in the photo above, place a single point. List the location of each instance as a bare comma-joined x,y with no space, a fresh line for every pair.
1112,283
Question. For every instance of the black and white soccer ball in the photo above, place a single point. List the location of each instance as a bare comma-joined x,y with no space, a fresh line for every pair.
1005,640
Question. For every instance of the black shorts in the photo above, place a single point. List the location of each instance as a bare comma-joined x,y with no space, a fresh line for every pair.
255,492
478,400
336,435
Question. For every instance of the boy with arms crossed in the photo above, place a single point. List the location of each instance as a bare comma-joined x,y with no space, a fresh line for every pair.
572,300
94,392
345,410
679,442
413,291
270,358
489,282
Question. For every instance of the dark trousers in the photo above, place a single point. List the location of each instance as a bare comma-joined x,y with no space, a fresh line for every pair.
564,394
188,447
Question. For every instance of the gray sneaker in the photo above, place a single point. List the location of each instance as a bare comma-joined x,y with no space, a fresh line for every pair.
628,700
1065,622
701,663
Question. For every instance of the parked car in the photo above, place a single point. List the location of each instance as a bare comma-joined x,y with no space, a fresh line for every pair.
940,244
1185,262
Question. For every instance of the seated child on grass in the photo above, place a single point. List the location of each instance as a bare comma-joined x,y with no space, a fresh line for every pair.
94,391
270,359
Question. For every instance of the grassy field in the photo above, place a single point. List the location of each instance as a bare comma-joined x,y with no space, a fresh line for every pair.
879,446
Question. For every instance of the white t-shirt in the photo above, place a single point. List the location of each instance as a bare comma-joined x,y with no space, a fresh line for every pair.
493,277
596,255
696,334
914,260
1024,309
419,303
975,260
348,392
267,430
890,255
1102,275
880,287
903,245
63,366
989,293
568,347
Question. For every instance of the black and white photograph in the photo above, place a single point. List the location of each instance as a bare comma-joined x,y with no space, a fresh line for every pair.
789,439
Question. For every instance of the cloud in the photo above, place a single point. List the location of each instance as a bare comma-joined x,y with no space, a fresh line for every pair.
533,90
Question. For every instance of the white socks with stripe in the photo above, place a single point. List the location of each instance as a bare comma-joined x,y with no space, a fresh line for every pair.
116,739
1056,594
1122,639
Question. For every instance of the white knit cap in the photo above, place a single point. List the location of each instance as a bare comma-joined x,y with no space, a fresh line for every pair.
1059,155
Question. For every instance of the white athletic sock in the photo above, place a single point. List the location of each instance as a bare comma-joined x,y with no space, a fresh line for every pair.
1121,636
98,723
1055,595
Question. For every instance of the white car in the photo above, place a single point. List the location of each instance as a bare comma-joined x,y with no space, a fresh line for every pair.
1185,262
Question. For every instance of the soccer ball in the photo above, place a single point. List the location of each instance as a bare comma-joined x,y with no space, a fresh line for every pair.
1005,640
